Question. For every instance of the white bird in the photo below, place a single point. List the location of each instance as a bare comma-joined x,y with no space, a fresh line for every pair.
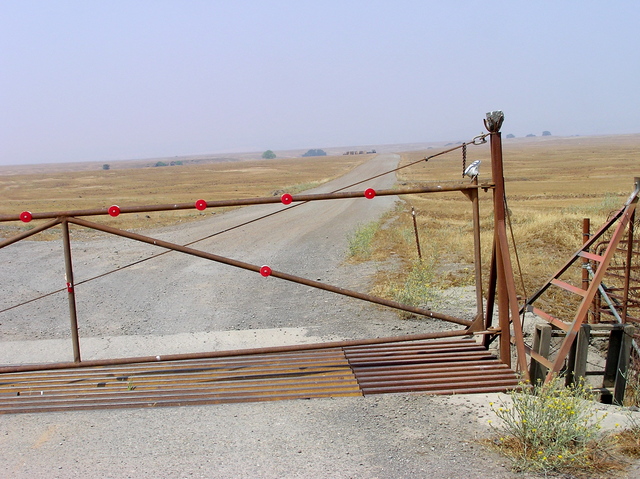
472,170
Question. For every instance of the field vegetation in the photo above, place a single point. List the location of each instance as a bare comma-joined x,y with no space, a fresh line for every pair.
551,185
66,190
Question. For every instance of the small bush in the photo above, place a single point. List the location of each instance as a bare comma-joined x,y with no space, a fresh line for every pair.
417,289
315,152
360,241
550,428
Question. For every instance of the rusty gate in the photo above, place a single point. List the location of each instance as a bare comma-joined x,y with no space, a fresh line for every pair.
444,362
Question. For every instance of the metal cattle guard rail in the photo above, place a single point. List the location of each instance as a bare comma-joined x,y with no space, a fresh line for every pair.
406,363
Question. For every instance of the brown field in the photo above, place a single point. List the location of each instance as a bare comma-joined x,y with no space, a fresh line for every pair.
46,191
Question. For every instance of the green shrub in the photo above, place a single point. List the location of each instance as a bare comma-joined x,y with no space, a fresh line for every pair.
417,289
551,428
361,239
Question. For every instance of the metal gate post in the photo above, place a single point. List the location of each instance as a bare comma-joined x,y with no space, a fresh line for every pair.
627,269
493,125
70,291
477,250
586,234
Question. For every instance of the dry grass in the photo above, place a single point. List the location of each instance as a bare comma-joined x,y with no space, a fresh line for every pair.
551,185
60,191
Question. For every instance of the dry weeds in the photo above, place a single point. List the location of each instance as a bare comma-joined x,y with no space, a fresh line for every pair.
551,185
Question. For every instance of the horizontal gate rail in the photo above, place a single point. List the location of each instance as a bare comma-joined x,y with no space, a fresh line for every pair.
370,193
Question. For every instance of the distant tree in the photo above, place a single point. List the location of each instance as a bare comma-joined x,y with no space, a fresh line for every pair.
268,155
175,163
315,152
546,133
530,135
160,163
105,166
511,135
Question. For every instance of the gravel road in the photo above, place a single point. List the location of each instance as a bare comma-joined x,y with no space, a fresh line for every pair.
177,294
177,303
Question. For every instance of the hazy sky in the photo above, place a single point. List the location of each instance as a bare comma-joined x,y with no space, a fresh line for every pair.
89,80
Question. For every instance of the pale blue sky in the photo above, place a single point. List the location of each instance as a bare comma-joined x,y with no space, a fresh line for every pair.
89,80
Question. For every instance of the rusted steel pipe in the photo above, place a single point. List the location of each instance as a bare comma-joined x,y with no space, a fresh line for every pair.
31,232
586,233
245,202
237,352
477,249
493,124
627,271
415,230
70,291
277,274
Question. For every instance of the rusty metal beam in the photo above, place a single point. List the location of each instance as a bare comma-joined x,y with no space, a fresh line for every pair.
31,232
68,264
237,352
276,274
247,201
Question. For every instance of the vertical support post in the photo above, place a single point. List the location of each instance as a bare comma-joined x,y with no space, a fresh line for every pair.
493,124
71,291
415,229
623,364
627,269
577,361
613,355
586,235
477,250
541,345
491,295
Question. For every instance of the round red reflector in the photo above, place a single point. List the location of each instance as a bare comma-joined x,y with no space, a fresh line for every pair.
265,271
201,205
286,199
114,210
26,216
370,193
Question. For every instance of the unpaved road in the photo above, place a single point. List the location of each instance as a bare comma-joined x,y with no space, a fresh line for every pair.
187,297
177,303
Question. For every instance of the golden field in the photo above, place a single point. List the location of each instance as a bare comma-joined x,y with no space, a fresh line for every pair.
45,191
551,185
